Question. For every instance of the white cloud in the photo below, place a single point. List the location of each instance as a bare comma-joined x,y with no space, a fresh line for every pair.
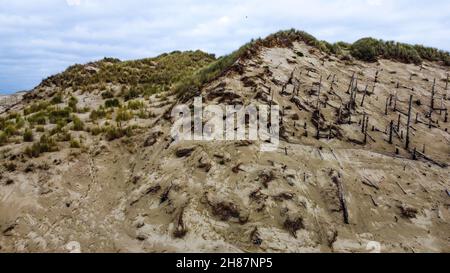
43,37
73,2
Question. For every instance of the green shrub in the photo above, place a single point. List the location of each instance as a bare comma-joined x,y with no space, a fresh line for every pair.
97,114
2,123
135,105
46,144
57,99
73,104
123,115
78,124
112,133
10,130
20,122
39,118
57,115
28,136
13,115
75,144
107,95
63,136
131,94
36,107
112,103
3,138
143,114
95,131
367,49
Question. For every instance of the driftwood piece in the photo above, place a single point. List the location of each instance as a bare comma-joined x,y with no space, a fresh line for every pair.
341,195
369,183
300,105
440,164
400,186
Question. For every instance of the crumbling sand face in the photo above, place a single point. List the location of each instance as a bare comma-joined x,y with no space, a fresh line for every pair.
146,194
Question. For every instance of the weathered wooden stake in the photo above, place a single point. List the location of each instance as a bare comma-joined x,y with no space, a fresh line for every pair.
365,131
387,104
433,90
271,96
318,95
391,131
363,125
430,121
350,86
408,124
364,96
355,92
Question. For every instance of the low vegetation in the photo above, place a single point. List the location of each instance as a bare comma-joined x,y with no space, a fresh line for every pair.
150,75
46,144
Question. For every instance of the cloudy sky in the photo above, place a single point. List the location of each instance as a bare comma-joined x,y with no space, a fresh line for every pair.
40,38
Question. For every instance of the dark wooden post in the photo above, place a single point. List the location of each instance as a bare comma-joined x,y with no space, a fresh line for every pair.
433,90
363,125
271,97
386,109
365,130
351,83
364,96
408,124
318,94
391,131
429,121
355,92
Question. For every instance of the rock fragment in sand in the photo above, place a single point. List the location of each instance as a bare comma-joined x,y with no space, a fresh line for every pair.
184,152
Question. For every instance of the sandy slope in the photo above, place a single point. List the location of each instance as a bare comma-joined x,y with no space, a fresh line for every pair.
123,197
